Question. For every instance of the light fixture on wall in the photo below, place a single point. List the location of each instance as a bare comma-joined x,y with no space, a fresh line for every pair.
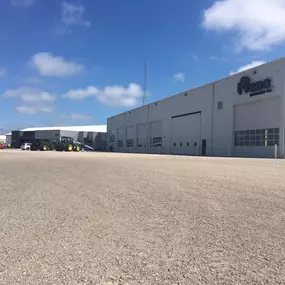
254,72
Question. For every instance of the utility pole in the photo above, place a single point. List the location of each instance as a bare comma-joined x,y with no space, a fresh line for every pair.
145,84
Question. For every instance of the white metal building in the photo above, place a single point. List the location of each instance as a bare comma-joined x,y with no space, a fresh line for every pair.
242,115
89,128
93,136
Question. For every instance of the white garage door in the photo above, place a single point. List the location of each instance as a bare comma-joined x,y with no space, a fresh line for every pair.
142,137
256,128
130,138
120,138
156,139
186,134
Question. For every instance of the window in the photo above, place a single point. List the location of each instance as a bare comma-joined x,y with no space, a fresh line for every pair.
156,142
120,143
220,105
261,137
130,143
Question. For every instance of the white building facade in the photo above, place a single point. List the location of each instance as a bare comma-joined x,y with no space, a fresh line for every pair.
239,116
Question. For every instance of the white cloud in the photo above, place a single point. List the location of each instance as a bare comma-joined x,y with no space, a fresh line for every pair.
257,24
3,71
22,3
81,94
77,117
111,95
248,66
29,110
121,96
179,77
28,94
50,65
34,101
73,14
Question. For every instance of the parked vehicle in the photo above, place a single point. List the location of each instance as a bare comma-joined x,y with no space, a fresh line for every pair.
3,146
26,146
41,145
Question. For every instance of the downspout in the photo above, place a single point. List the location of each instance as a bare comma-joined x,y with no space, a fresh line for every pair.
212,123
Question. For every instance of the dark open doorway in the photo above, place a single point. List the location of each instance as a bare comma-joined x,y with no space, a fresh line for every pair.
204,147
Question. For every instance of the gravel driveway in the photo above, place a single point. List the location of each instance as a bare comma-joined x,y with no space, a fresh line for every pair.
95,218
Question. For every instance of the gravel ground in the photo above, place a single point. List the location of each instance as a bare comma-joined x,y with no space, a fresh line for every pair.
95,218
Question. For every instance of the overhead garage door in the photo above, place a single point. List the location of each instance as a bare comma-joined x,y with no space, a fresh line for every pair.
186,134
142,137
256,128
130,138
120,138
156,140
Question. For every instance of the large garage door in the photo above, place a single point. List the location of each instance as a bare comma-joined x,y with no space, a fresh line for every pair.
130,138
256,128
186,134
156,140
120,139
142,137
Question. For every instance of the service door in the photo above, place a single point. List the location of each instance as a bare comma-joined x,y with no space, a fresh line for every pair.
186,134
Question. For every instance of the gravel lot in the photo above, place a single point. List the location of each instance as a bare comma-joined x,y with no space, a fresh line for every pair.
95,218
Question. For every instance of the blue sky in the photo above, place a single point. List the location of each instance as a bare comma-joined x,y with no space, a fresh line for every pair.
79,62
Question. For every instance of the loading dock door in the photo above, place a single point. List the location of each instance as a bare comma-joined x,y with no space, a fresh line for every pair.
186,134
141,144
256,128
130,138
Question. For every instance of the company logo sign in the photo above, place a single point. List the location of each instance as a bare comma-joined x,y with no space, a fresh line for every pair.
254,88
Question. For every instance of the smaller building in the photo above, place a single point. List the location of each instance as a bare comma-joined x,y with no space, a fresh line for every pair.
93,136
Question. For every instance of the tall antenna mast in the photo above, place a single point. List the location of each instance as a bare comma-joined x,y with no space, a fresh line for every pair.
145,84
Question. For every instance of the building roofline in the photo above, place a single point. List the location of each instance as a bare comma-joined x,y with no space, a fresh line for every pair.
202,86
89,128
